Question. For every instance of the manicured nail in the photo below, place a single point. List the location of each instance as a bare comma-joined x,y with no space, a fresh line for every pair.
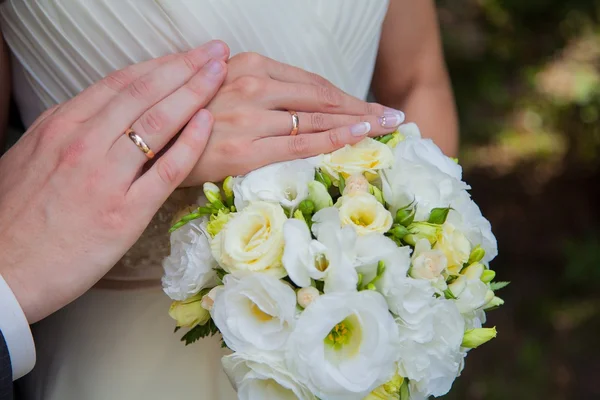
214,67
216,49
394,111
391,120
360,129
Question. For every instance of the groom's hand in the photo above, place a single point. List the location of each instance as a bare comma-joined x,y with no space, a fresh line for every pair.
73,194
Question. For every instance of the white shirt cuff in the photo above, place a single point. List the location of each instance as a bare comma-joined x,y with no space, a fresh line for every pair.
16,332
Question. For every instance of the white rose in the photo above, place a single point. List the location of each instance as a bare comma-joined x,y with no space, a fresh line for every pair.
190,266
428,264
285,183
364,213
252,241
430,353
260,378
466,217
425,152
343,345
254,313
410,130
326,259
426,185
455,246
368,155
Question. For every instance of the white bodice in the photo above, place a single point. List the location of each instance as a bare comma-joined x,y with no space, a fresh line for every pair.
60,47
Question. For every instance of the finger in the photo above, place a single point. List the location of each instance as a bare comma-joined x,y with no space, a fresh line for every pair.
152,189
262,67
279,123
161,122
286,148
95,97
120,113
310,98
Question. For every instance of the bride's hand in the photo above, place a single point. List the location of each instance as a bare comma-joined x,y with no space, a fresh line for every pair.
73,198
252,125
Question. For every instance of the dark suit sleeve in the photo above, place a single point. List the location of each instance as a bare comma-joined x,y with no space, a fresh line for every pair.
6,383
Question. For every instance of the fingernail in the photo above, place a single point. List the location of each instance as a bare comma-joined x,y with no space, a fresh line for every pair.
216,49
360,129
214,67
394,111
391,120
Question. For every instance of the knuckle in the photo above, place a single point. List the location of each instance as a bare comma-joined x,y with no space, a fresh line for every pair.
231,149
71,154
152,121
335,138
252,59
330,98
117,81
140,88
298,146
52,128
190,63
167,171
249,86
373,109
318,122
113,217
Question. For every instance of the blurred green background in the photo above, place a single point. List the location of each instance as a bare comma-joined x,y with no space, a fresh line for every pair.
527,82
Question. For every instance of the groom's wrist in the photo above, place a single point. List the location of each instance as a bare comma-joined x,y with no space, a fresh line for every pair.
16,332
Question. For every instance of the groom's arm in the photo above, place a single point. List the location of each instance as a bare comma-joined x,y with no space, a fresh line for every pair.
4,90
411,75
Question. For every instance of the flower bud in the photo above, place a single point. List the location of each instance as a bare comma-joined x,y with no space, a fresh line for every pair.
458,286
474,338
489,296
208,300
422,230
189,313
406,216
356,184
473,271
213,195
397,137
488,276
398,231
307,295
495,303
322,177
298,215
477,255
375,191
228,190
307,207
388,391
318,194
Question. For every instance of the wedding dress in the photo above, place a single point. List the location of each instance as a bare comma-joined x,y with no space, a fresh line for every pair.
117,341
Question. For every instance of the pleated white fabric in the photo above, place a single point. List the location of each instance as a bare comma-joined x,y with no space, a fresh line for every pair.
120,344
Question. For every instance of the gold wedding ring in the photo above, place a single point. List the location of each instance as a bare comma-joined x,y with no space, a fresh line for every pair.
139,142
295,123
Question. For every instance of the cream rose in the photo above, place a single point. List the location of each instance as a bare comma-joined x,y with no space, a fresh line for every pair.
428,264
365,213
366,156
455,246
252,241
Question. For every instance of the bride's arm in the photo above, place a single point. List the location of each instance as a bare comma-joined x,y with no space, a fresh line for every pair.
4,90
411,75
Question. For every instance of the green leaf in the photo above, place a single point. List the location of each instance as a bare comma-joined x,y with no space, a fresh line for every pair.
404,390
438,215
385,139
200,331
176,329
498,285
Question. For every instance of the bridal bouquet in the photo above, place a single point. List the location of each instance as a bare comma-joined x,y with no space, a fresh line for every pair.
360,274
